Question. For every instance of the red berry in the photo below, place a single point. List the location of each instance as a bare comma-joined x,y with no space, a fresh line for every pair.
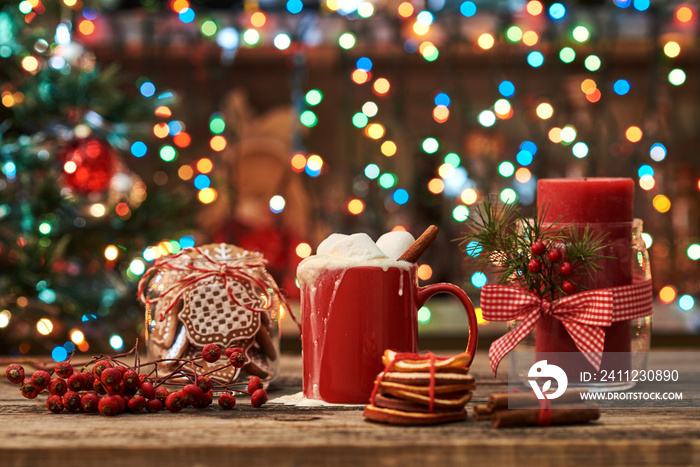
568,287
204,382
254,383
143,378
99,387
111,376
211,353
258,398
175,402
237,359
147,390
202,402
89,380
136,404
131,379
192,393
566,269
116,389
230,350
63,370
40,379
162,393
122,369
58,387
535,265
109,406
71,401
538,248
55,404
28,390
89,402
154,405
554,256
100,366
77,382
121,401
15,373
227,401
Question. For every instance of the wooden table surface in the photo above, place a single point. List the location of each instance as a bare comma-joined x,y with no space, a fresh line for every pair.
278,435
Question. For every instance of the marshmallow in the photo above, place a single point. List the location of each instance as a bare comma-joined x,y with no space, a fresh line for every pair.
394,244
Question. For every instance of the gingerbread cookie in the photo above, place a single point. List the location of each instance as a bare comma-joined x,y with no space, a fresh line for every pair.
214,294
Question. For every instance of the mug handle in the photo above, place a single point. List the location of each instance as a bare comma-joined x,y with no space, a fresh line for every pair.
424,293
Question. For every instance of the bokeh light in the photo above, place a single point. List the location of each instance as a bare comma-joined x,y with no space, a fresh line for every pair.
634,134
693,251
661,203
430,145
372,171
469,196
534,7
672,49
567,55
544,110
424,272
436,186
460,213
388,148
657,152
581,34
44,326
676,77
667,294
686,302
486,41
479,279
303,250
356,206
277,204
381,86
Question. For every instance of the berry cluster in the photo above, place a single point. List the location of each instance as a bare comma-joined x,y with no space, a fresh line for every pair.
547,261
111,387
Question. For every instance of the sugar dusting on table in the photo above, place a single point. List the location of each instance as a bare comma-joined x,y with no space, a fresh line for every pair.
298,400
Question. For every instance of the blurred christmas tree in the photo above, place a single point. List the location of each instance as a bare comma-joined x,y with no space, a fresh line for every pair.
74,217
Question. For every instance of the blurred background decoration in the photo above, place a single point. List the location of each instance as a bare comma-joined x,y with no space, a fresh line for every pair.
131,129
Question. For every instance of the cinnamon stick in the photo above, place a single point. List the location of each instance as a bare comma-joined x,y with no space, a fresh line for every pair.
418,247
575,413
529,400
482,412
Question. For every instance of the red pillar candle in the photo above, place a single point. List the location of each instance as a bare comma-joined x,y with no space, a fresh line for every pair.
606,205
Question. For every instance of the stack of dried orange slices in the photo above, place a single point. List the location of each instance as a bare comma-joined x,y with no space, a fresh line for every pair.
418,389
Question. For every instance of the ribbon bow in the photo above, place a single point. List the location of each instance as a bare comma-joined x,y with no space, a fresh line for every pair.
585,315
241,269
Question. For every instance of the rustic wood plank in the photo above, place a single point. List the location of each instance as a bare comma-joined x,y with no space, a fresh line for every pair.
289,436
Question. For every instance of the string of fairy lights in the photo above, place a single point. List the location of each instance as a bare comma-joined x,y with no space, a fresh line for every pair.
421,25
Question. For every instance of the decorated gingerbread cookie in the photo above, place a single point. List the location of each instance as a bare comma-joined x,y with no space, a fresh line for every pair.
214,294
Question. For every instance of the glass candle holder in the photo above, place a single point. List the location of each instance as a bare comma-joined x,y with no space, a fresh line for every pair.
626,344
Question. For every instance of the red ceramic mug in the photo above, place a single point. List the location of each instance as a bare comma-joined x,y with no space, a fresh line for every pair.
351,315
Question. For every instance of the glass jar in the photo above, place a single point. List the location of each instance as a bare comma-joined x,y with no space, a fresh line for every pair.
626,342
198,298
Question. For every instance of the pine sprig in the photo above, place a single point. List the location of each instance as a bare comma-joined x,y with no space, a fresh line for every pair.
550,259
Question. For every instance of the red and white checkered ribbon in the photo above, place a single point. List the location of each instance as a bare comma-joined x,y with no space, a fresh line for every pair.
585,315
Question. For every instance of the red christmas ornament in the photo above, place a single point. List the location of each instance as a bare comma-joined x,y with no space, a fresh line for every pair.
88,165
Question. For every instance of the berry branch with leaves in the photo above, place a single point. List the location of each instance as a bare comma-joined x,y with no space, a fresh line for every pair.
549,259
